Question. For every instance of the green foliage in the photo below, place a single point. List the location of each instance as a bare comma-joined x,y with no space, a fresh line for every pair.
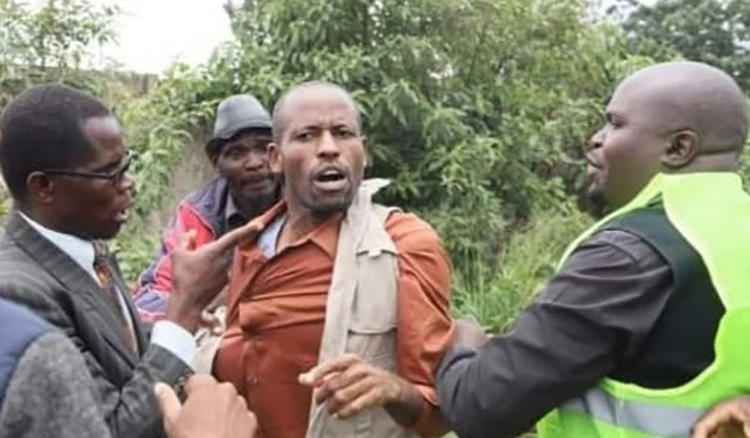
158,126
712,31
495,294
476,108
53,43
50,43
135,246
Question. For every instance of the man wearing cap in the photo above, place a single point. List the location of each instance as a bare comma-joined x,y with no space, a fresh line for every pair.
244,189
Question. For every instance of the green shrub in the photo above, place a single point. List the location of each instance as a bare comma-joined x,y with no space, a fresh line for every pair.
495,294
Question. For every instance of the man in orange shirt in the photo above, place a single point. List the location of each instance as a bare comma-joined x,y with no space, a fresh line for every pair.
338,309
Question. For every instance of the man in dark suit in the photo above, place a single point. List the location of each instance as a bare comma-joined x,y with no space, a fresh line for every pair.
42,371
64,161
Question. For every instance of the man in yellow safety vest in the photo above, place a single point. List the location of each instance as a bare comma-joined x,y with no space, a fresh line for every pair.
642,328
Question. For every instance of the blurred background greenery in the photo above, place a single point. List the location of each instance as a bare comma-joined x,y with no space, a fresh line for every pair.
477,109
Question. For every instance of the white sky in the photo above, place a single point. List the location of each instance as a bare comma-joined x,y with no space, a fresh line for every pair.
151,34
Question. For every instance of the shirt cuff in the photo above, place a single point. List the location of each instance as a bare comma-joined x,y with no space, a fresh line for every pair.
174,339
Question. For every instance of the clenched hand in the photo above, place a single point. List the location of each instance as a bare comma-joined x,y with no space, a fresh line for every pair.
212,410
348,385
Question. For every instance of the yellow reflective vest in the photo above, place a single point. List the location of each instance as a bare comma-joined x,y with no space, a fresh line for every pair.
712,212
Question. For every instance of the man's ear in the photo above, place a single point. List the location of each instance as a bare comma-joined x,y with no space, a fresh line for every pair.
683,146
40,188
275,158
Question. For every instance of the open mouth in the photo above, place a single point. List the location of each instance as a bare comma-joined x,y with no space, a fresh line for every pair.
330,179
123,215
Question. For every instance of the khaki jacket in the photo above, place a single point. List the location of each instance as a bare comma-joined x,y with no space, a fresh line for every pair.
361,311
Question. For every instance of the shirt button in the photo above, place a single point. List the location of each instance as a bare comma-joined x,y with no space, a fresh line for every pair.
252,379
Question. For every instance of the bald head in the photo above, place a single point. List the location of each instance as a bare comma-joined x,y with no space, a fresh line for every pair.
303,92
676,117
319,148
691,96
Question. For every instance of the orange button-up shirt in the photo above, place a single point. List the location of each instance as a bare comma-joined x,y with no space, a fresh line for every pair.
276,312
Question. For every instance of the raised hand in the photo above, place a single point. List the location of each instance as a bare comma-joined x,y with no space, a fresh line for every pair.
199,274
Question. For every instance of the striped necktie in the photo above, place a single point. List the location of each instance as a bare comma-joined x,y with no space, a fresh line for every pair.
103,269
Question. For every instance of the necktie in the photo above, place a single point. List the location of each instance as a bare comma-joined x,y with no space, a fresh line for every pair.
103,270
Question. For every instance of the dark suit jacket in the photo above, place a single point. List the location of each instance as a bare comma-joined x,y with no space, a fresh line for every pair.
51,394
35,273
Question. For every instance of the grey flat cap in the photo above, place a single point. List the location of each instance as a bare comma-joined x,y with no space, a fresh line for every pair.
239,112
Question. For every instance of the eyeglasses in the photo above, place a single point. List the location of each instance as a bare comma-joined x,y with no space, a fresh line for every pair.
114,176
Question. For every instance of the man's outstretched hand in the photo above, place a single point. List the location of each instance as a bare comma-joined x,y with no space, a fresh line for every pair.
199,274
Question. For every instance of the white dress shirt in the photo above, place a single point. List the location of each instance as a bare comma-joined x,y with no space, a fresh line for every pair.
165,334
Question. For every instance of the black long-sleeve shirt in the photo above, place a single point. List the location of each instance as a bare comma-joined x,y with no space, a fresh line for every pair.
591,320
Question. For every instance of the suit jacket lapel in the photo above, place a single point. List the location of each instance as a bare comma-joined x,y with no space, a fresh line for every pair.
77,281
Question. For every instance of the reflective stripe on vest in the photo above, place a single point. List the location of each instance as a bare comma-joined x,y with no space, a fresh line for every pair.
651,418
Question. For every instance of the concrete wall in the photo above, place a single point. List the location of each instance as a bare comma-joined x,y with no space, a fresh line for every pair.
193,172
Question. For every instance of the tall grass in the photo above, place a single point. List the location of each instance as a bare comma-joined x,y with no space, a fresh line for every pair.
495,294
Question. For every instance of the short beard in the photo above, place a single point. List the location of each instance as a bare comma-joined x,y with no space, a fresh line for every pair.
324,210
259,203
264,201
596,204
